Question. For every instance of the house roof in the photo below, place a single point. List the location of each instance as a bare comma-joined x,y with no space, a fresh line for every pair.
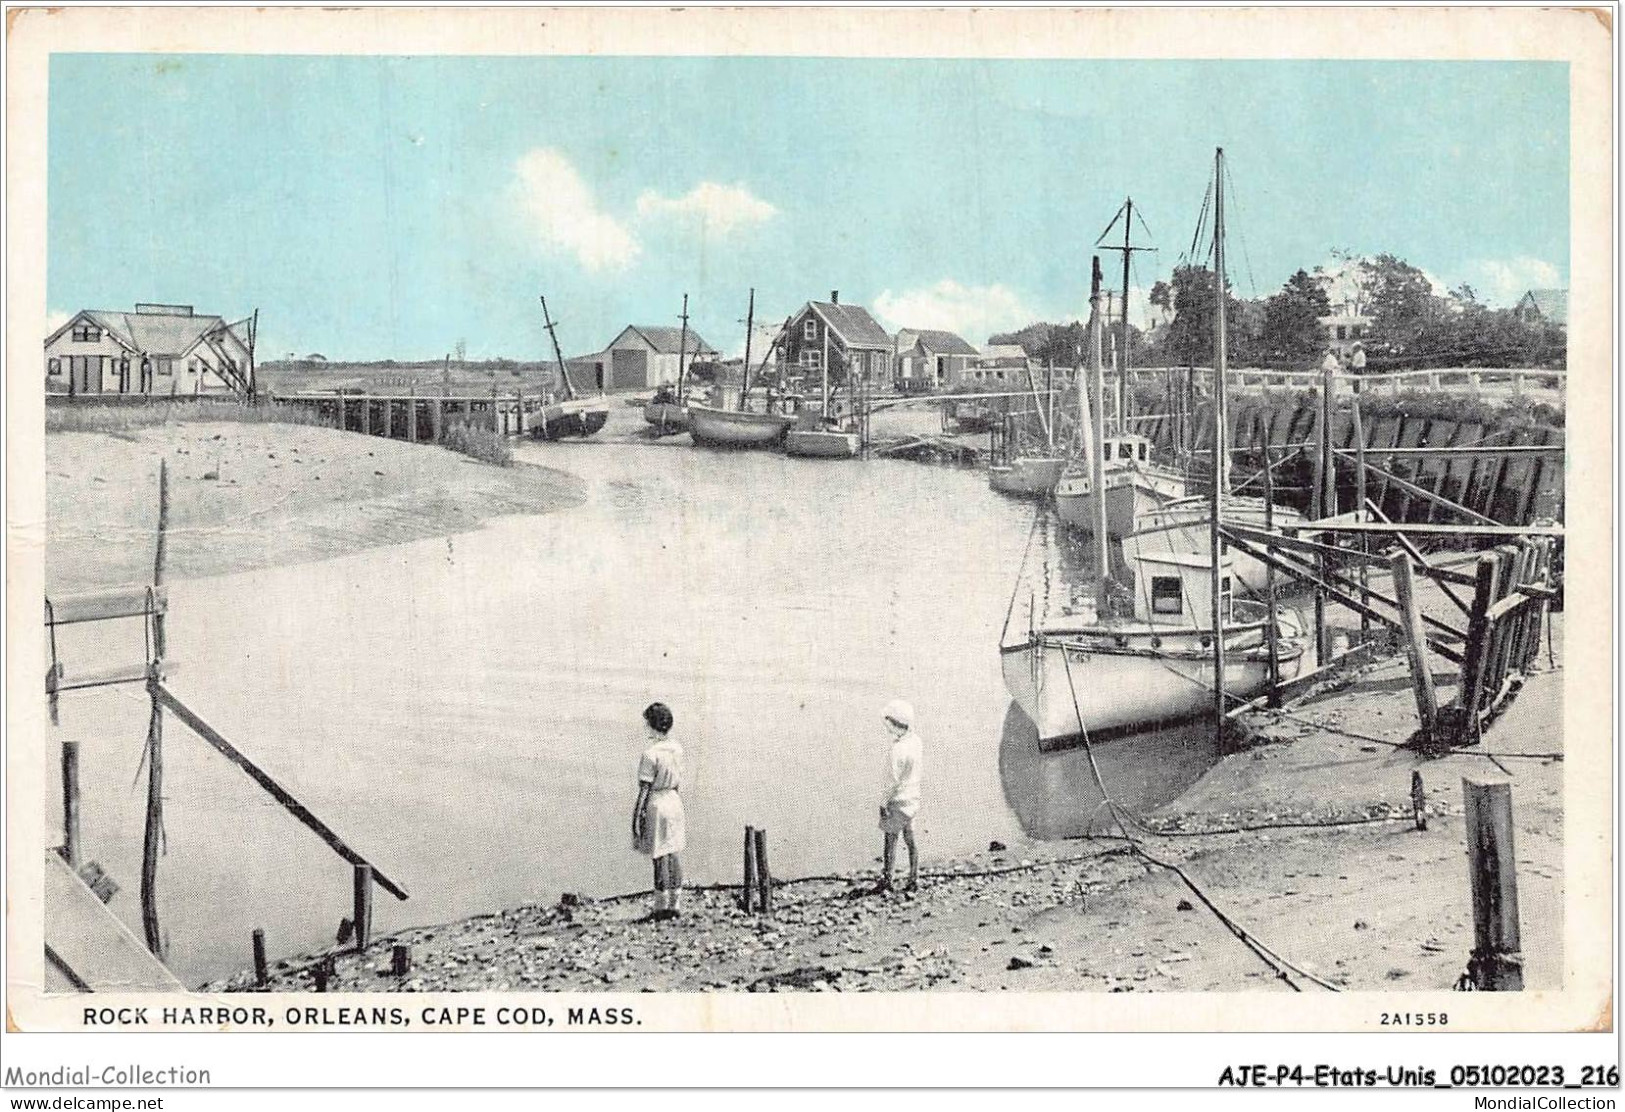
853,324
1551,304
666,339
938,342
1004,351
152,333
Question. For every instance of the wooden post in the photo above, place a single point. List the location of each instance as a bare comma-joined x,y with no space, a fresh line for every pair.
400,959
437,417
1271,632
412,417
363,906
153,834
1496,964
70,804
764,875
262,971
750,869
325,972
1360,508
519,412
389,417
1419,799
1427,703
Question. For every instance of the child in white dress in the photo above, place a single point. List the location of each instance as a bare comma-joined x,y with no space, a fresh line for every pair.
658,826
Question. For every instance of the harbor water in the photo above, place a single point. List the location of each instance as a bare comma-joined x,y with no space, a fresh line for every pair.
465,711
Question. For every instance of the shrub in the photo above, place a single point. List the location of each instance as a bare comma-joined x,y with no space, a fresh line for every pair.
480,442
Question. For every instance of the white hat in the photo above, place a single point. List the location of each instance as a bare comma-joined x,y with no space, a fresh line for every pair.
899,712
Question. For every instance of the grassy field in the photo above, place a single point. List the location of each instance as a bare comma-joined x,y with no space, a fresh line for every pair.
425,378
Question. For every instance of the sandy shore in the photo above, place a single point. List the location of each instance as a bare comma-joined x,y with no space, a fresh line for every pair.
248,495
1370,905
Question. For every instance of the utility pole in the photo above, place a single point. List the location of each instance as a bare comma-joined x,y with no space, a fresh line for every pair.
682,350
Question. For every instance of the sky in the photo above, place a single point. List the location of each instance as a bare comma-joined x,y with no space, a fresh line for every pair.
395,207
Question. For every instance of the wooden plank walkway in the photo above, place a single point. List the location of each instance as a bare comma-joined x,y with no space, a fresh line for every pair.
89,945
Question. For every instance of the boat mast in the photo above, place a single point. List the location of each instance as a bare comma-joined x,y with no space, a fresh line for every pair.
1097,468
682,350
564,372
1221,453
744,368
1125,397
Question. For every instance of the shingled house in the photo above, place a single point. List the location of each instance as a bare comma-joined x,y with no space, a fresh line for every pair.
845,337
158,349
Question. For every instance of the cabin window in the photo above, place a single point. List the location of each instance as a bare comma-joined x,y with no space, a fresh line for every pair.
1166,595
166,365
87,333
1139,452
53,366
809,358
1125,451
809,330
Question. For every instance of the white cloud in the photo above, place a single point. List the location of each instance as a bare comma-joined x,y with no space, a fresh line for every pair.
565,215
1503,282
722,209
974,312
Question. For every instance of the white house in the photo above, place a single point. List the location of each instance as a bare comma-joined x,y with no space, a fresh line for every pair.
643,356
157,349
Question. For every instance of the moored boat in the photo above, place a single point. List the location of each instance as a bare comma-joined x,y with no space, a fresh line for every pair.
666,413
732,428
1087,676
1027,476
817,443
575,415
1183,526
1133,485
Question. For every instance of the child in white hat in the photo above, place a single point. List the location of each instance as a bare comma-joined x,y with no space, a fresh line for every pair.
902,801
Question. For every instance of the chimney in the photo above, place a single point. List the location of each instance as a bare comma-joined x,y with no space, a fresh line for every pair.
834,297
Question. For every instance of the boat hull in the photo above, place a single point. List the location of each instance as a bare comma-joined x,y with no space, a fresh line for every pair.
1060,680
1129,494
1027,476
666,417
821,444
722,428
570,419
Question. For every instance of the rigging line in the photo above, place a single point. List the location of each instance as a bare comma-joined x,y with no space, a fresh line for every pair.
1140,215
1111,225
1201,222
1038,512
1242,235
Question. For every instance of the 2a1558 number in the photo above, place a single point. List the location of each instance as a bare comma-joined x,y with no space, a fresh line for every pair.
1415,1019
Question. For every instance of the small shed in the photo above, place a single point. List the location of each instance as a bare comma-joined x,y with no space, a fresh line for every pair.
643,356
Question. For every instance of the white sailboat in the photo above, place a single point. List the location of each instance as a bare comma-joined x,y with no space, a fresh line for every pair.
1132,482
1188,635
1029,472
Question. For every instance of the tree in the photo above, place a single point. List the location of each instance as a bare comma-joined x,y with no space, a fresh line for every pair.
1291,330
1190,336
1400,303
1162,296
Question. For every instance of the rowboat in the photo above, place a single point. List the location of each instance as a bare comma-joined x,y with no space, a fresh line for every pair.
1083,675
818,443
1134,486
666,417
731,428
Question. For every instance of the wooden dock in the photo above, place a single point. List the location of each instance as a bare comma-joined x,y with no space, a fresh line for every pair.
417,417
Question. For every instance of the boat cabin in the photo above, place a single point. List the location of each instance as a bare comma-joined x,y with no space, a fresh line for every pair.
1126,450
1177,588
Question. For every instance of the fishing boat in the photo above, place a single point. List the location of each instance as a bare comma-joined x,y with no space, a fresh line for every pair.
1091,676
733,428
720,427
1182,526
1028,472
575,415
819,434
667,410
1134,485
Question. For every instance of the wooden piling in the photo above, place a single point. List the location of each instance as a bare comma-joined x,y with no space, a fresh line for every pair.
1427,703
70,804
152,836
749,880
1360,510
389,417
764,875
437,417
412,417
1419,799
262,969
400,959
1496,964
363,906
1271,631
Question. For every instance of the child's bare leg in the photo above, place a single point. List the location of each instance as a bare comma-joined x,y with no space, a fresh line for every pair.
674,879
888,855
913,855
